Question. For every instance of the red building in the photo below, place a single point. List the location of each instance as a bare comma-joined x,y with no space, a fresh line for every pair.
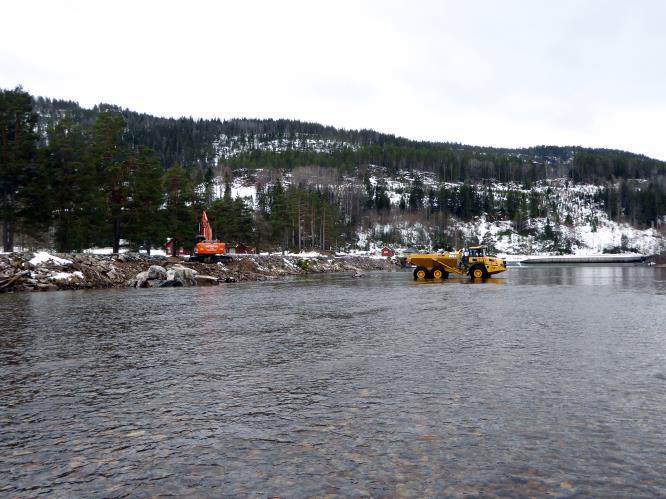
241,249
388,252
168,246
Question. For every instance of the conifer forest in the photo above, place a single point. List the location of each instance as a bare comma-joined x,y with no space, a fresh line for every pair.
73,178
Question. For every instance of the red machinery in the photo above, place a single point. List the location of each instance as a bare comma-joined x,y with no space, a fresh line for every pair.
206,249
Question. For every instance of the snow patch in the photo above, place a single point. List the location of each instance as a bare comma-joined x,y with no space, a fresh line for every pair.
66,276
44,257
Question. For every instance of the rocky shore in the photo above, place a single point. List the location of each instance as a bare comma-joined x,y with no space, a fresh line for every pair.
49,272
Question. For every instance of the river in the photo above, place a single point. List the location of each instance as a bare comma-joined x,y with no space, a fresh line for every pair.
543,380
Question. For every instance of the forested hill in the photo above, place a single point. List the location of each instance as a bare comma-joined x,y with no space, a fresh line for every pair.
75,178
280,143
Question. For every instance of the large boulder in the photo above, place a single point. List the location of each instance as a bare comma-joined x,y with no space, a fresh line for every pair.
140,281
183,274
157,276
157,272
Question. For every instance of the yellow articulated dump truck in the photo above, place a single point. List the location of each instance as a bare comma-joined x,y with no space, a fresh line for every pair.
471,261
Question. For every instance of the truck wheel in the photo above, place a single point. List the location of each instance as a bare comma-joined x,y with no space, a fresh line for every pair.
439,274
478,272
420,274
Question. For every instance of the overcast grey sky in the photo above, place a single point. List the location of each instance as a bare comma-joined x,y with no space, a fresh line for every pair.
501,73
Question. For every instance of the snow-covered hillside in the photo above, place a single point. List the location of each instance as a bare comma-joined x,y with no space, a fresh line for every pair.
569,215
228,147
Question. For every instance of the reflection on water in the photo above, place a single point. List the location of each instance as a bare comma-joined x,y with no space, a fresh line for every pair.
545,380
454,281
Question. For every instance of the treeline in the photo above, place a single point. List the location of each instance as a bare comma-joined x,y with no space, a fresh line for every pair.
467,201
193,143
600,166
448,165
81,186
642,204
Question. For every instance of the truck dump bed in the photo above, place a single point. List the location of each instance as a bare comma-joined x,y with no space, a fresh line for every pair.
447,260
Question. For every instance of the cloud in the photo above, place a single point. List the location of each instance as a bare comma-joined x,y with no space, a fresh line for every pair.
493,73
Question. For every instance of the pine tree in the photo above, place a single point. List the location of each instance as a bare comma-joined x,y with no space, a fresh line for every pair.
75,202
534,204
17,158
489,241
416,195
227,186
369,190
382,201
209,183
548,232
180,216
144,218
232,221
109,154
279,216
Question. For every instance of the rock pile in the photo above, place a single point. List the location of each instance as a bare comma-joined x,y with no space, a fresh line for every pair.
38,272
177,276
45,272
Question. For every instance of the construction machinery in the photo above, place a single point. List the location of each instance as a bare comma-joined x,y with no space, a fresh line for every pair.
207,249
472,261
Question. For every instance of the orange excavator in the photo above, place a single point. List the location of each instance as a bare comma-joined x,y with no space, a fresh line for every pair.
207,249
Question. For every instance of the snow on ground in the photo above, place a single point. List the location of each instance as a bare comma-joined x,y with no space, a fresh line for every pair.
374,238
44,257
240,188
585,238
289,264
17,249
66,276
305,254
109,251
609,234
591,232
228,147
248,192
101,251
155,252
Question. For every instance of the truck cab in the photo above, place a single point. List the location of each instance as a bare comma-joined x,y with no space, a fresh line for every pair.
482,265
476,254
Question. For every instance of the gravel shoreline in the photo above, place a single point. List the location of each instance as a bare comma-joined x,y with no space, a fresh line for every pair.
20,272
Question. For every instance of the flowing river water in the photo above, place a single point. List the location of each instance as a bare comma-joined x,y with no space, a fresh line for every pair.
543,380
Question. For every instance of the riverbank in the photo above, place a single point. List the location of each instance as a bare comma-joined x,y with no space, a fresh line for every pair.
51,272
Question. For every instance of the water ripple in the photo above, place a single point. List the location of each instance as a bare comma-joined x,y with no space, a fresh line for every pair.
550,383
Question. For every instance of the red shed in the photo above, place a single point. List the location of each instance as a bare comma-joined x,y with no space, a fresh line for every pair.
386,251
181,250
241,249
